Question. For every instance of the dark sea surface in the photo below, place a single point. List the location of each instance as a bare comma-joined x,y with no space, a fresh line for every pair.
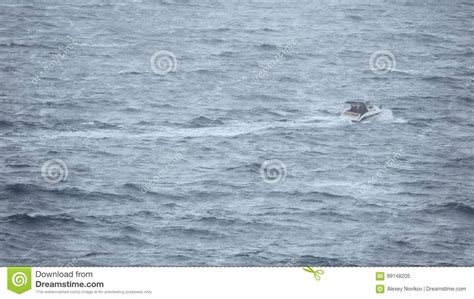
104,161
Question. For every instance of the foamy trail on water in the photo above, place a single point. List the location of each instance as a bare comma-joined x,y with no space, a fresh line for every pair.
387,115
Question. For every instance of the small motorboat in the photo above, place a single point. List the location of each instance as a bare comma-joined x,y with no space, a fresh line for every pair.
360,111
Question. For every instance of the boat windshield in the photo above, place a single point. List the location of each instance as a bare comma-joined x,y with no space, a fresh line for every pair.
354,108
358,108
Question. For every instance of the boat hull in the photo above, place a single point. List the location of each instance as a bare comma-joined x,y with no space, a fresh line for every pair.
355,117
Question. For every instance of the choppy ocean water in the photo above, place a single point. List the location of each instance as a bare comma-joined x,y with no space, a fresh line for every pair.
231,151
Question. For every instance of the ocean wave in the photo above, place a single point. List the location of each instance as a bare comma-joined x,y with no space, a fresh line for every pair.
205,71
270,98
424,184
125,239
212,40
83,194
171,205
426,37
468,161
465,54
411,194
228,54
21,188
442,79
100,125
219,221
405,72
145,214
18,164
202,121
321,261
133,186
267,47
140,188
465,99
193,232
288,79
38,219
95,5
129,229
22,45
95,195
251,168
354,17
264,29
5,124
403,243
8,68
317,194
221,29
93,254
326,112
130,73
452,207
259,111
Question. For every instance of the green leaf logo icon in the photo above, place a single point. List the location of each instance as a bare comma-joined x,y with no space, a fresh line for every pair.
19,279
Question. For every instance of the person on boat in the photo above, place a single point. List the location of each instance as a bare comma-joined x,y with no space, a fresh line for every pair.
354,108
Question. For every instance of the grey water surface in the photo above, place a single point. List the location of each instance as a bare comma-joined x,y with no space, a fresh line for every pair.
208,133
